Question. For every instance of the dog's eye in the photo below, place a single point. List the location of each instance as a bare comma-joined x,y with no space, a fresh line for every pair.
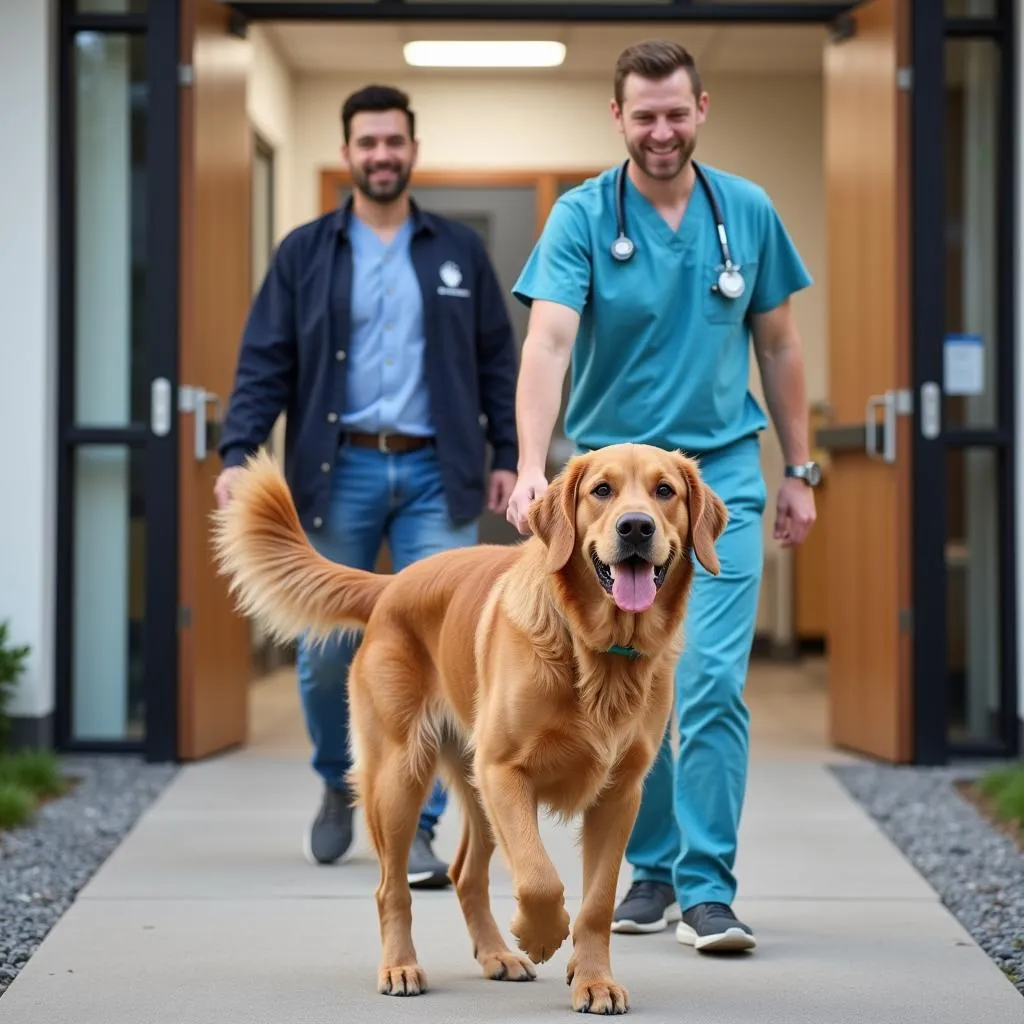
602,491
664,491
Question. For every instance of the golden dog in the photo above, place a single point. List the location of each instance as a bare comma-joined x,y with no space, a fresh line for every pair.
534,674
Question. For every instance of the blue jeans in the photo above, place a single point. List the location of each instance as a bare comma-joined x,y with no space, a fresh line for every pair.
685,834
373,496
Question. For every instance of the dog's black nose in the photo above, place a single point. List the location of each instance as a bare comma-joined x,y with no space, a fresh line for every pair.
635,527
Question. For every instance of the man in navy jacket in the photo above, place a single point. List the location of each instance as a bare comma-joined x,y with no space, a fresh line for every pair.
382,333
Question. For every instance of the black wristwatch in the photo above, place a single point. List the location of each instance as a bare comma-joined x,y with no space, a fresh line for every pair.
807,471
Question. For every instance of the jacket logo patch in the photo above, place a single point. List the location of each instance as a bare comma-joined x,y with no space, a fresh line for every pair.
451,278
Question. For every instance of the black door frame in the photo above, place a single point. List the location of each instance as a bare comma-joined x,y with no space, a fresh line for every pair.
930,456
161,24
766,13
159,28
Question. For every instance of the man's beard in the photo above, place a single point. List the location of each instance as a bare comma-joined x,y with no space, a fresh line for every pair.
385,191
664,169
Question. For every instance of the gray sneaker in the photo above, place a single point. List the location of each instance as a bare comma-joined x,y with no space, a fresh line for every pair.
715,928
425,871
647,907
330,835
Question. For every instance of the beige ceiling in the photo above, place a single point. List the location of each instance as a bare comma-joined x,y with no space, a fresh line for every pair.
367,48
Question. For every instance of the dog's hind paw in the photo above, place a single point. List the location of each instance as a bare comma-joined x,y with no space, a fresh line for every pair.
507,966
402,981
599,997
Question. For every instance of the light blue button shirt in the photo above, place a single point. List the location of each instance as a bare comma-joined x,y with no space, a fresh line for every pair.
660,358
385,382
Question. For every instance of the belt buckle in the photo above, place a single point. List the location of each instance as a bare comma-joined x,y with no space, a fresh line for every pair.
382,443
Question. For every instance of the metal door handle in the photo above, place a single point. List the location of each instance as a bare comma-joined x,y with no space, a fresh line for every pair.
195,400
888,403
870,423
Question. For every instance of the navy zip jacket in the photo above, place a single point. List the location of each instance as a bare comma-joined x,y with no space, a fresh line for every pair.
294,358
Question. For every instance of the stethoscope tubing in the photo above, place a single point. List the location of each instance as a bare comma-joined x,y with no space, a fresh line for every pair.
623,246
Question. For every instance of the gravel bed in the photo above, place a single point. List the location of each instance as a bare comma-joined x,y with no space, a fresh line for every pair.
977,872
44,864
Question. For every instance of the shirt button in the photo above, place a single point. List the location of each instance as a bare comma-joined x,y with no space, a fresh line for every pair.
325,466
332,417
318,522
340,354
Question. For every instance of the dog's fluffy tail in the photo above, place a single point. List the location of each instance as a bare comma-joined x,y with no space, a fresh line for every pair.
276,575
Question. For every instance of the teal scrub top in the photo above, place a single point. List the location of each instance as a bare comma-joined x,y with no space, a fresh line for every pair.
659,358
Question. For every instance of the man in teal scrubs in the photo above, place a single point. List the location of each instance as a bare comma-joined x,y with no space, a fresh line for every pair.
660,350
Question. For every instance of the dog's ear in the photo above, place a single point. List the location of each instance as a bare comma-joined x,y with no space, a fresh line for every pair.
708,517
552,517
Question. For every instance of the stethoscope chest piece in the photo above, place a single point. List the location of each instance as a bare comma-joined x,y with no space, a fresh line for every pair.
623,248
730,282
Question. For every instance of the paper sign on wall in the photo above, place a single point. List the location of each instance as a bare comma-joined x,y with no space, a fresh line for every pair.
964,364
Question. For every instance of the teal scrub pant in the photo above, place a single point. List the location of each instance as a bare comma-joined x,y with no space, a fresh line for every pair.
686,831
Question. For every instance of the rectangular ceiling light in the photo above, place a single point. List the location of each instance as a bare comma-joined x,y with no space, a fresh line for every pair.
469,53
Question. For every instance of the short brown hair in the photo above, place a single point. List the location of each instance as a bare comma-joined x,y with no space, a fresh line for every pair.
376,98
654,58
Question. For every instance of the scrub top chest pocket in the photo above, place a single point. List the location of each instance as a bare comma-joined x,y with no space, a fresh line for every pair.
718,308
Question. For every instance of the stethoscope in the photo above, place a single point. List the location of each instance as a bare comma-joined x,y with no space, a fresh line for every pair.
730,280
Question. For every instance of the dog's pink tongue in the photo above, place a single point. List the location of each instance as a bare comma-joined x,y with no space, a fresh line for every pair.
633,587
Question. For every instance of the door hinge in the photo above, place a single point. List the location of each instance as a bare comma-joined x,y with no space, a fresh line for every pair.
906,620
186,74
184,617
904,79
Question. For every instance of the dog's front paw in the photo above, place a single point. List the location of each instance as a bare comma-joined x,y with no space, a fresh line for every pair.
599,996
402,981
505,965
540,929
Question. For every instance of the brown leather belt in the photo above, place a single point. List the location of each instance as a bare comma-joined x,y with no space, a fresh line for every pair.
389,444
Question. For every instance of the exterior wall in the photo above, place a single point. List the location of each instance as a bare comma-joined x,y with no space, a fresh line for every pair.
28,381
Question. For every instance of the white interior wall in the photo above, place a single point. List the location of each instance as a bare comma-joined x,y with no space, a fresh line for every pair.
768,128
270,105
28,343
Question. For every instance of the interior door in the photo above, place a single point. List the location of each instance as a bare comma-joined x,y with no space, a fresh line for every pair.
215,651
868,549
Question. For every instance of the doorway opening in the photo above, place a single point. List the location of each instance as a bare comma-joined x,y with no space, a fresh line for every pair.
771,90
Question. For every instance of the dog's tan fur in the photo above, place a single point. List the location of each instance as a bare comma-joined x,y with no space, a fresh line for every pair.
492,663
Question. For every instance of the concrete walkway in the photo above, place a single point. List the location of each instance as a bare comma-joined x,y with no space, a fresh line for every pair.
207,914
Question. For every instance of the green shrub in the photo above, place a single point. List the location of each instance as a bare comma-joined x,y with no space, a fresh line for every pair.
35,770
1004,786
1009,801
17,804
12,665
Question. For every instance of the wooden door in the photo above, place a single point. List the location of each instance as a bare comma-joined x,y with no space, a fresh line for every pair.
215,650
868,550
